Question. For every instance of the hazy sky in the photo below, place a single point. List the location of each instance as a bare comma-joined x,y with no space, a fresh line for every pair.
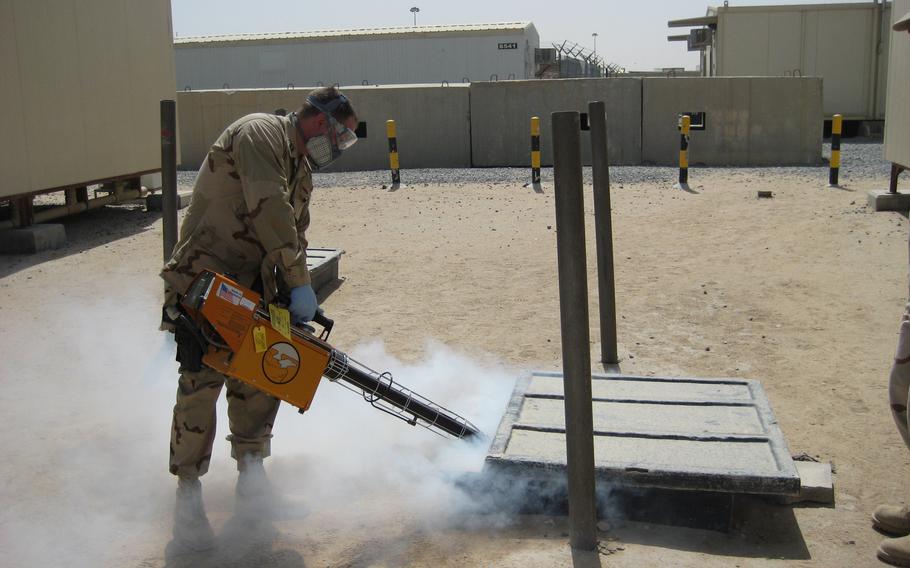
630,33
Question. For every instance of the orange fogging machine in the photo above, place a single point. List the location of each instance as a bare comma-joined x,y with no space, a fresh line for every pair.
242,338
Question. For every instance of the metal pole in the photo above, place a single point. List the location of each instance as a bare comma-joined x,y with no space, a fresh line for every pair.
169,176
603,229
392,133
535,150
896,170
837,124
685,122
573,309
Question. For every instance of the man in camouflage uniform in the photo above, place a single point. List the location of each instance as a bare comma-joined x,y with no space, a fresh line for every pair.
247,219
894,520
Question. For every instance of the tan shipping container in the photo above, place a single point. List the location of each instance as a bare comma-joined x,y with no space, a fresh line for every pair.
837,42
80,85
897,127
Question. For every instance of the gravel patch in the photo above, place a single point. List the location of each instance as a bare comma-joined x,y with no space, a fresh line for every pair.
861,159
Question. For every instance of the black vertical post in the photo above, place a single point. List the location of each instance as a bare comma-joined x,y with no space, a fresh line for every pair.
23,211
896,170
603,228
169,176
573,309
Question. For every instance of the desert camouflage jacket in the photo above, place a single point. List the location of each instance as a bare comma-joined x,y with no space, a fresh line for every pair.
249,211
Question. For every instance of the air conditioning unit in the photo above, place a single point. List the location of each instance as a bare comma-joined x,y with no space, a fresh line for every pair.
699,39
545,55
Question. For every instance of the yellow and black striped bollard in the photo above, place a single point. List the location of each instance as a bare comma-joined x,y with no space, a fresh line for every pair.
837,125
535,149
393,151
685,123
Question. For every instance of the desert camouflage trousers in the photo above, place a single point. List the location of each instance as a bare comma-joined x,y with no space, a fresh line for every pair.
899,383
251,415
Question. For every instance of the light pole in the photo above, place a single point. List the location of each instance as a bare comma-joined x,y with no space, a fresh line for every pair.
414,11
594,35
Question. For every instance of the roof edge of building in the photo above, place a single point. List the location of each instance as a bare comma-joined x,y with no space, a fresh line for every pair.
362,33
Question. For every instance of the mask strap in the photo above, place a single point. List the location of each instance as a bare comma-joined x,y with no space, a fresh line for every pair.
297,126
329,108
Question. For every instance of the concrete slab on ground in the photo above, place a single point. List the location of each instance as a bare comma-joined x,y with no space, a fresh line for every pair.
323,266
884,200
155,201
816,483
717,435
29,240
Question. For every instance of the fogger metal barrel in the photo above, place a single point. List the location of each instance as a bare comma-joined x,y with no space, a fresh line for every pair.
381,390
242,339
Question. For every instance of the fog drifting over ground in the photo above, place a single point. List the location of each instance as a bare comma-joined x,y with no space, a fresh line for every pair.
85,482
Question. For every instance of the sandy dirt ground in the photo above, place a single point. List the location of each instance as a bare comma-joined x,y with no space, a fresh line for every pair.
803,291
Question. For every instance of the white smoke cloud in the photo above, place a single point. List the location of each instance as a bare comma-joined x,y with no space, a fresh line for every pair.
351,451
85,482
84,474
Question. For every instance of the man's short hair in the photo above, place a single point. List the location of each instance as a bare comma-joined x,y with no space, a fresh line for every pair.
326,97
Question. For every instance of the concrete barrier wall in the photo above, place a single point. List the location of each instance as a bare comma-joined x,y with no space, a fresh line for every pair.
751,121
433,123
501,112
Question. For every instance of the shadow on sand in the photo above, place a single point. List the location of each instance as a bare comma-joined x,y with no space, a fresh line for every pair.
760,529
88,230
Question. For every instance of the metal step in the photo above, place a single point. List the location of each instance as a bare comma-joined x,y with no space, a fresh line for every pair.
323,266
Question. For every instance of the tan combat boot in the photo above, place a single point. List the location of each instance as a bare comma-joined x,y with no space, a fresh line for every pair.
192,531
254,495
895,551
892,519
257,499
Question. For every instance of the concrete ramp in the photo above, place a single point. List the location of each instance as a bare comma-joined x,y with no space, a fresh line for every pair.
713,435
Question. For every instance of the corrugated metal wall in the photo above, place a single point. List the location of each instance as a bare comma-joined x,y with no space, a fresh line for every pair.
835,42
897,127
473,56
80,90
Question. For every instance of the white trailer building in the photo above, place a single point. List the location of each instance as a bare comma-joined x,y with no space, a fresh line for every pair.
845,44
80,87
383,56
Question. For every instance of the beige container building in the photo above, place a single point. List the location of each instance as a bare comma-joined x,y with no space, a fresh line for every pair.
80,85
845,44
378,56
897,129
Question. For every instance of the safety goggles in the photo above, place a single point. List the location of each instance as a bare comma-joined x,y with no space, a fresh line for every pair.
344,136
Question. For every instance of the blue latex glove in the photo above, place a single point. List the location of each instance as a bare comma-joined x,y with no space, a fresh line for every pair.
303,304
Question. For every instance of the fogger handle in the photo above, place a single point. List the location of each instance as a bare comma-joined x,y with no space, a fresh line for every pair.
326,324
